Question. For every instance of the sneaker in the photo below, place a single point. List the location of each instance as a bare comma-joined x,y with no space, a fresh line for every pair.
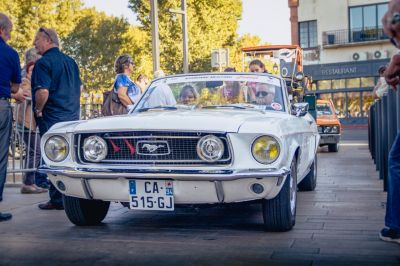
50,206
390,235
32,189
5,216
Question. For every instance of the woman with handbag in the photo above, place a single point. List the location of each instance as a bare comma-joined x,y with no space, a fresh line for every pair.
127,91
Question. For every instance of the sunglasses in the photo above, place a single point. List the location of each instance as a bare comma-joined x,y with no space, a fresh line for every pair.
45,32
261,94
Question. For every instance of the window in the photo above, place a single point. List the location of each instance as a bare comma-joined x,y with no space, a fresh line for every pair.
308,36
365,22
324,84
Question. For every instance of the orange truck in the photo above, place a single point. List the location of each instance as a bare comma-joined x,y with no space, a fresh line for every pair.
329,127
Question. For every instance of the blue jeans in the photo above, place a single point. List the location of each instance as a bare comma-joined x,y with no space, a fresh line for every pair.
55,195
5,132
392,218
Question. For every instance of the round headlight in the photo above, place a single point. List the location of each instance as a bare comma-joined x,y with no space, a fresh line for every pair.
56,148
335,129
327,129
94,149
210,148
265,149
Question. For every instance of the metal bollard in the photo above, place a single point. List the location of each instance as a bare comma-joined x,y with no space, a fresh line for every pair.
371,131
385,140
378,136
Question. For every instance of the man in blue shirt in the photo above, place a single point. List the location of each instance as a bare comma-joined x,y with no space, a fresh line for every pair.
55,93
10,78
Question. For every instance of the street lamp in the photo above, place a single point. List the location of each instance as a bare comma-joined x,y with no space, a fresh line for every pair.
154,33
183,12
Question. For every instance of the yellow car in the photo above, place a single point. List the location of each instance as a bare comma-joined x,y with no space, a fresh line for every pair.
329,126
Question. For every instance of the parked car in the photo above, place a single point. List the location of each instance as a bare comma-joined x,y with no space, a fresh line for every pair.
329,126
210,138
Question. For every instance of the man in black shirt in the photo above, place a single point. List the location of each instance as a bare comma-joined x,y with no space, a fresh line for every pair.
55,93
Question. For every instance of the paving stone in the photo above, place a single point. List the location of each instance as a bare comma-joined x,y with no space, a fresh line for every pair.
337,224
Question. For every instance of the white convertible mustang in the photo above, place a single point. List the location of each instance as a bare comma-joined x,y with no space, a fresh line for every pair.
191,139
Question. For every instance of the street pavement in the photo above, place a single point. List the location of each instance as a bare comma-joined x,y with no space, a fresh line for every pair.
337,224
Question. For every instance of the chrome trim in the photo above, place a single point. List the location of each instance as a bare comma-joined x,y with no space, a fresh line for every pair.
220,191
151,152
153,136
195,175
86,188
162,162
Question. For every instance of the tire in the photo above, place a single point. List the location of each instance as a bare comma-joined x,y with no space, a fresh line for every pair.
310,181
84,211
279,213
333,147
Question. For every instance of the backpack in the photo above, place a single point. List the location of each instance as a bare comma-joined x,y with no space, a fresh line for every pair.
112,105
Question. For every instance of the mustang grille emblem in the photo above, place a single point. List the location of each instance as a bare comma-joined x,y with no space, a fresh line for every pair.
152,148
155,147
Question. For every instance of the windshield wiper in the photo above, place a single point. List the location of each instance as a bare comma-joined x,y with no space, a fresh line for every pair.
157,107
223,106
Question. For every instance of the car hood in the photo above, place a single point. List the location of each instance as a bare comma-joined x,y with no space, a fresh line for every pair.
327,119
197,120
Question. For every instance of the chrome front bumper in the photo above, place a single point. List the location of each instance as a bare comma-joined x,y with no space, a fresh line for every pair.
190,187
329,139
183,175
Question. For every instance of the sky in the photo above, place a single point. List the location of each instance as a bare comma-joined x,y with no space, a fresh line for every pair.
269,19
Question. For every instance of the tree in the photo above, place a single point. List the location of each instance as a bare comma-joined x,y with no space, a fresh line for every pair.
212,24
29,16
236,56
97,41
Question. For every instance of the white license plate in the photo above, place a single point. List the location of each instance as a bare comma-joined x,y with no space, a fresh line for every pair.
151,195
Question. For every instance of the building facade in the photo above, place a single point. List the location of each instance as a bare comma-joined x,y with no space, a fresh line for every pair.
343,46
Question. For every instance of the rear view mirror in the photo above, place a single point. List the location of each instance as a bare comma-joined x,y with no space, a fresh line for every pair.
214,84
299,76
299,109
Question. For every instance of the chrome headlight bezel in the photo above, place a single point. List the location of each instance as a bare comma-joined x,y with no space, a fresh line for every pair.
267,139
50,149
335,129
94,149
210,148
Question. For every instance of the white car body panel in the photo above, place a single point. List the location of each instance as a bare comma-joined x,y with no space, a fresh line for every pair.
242,127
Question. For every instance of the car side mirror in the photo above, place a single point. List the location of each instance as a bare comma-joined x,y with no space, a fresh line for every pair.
299,76
299,109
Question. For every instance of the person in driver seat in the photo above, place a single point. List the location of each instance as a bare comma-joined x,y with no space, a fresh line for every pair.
264,94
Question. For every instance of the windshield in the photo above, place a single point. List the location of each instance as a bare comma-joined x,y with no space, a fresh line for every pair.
239,91
324,109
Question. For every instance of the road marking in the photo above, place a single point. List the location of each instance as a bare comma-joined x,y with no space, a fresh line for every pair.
353,144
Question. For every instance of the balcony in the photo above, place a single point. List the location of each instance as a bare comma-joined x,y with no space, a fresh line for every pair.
353,36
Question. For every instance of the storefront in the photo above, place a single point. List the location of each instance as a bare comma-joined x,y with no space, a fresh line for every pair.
349,85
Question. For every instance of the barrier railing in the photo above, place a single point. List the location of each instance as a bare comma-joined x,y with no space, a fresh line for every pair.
24,149
383,125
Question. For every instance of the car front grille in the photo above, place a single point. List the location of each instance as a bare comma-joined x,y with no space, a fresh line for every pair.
151,147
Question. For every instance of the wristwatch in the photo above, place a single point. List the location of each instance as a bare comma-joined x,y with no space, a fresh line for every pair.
38,112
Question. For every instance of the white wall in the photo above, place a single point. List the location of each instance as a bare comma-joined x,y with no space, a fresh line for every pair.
333,15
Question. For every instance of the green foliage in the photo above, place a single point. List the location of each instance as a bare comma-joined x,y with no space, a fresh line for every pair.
211,23
236,56
97,41
29,16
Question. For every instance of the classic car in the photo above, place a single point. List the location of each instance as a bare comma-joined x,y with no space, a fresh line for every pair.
329,126
213,138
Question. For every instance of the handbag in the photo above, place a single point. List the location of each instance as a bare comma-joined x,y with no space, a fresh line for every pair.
112,104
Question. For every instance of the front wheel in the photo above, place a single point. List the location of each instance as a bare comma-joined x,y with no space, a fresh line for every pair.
310,181
279,213
333,147
84,211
